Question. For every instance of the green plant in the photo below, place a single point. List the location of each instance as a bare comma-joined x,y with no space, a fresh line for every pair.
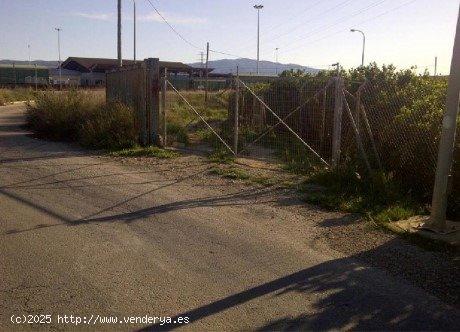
222,156
110,126
179,133
149,151
378,196
230,173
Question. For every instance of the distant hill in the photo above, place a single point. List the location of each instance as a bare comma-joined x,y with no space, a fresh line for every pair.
247,66
45,63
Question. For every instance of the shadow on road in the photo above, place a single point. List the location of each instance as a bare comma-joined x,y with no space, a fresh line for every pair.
342,299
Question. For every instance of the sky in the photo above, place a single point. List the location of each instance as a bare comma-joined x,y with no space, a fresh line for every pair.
314,33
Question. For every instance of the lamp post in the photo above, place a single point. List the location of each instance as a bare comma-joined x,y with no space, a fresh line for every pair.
59,54
120,61
364,44
134,8
258,8
276,59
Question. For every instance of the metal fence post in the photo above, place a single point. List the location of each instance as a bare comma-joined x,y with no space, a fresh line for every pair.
153,100
163,105
437,220
337,125
236,113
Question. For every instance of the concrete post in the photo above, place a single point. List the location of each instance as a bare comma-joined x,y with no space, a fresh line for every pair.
437,221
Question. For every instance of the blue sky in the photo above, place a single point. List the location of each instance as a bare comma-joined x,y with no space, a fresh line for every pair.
309,32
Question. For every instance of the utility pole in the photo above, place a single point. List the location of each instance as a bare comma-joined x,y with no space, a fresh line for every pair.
202,59
258,8
338,67
437,221
28,50
120,61
59,56
134,8
36,77
435,65
206,74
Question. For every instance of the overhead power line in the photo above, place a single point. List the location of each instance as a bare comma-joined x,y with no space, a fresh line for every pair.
320,15
358,23
341,4
328,26
298,13
172,28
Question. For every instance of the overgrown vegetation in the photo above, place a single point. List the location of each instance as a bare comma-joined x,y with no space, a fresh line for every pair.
233,173
404,111
149,151
184,126
17,94
378,196
82,117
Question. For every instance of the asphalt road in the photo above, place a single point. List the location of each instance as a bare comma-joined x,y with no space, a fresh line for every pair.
84,235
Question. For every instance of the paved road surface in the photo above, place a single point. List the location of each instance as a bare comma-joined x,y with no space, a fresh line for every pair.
84,235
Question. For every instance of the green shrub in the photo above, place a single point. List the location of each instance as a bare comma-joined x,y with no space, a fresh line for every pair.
59,116
378,196
178,133
110,126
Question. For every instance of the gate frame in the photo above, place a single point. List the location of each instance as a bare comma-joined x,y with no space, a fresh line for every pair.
148,113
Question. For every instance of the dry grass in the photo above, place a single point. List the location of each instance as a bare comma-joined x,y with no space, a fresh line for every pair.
18,94
82,116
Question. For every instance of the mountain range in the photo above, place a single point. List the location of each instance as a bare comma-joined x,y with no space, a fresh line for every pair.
249,66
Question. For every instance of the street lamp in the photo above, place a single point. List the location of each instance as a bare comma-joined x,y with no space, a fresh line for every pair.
59,53
258,8
276,59
134,8
364,44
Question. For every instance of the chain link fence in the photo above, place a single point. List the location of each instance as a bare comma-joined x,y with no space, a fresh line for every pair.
386,126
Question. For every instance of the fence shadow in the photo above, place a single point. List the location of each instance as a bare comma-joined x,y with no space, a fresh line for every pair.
343,295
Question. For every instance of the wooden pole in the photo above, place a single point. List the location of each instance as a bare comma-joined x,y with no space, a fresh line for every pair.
163,105
323,121
153,100
235,119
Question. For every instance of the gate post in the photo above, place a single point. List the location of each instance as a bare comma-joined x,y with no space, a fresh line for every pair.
153,100
163,105
337,125
437,221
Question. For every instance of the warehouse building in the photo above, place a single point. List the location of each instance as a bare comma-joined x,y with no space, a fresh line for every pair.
11,74
92,70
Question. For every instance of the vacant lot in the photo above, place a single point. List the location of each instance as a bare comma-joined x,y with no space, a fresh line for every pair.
84,233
